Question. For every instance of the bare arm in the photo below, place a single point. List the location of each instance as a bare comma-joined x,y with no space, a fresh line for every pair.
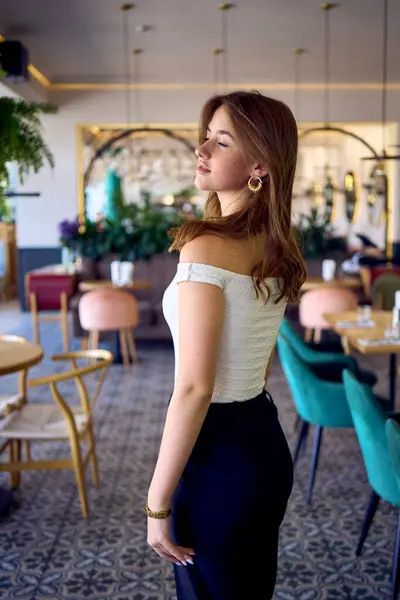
200,323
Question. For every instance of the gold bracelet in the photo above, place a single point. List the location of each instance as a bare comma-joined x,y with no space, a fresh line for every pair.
161,514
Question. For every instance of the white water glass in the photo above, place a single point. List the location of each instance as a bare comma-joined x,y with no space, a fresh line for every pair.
328,269
363,313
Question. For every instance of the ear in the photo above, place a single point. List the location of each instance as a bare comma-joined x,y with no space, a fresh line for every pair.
259,171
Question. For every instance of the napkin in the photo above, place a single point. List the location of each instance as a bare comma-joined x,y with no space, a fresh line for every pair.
381,342
343,324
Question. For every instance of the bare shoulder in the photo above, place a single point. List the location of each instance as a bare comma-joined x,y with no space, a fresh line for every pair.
207,249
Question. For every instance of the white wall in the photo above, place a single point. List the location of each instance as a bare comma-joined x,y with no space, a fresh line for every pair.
37,218
6,91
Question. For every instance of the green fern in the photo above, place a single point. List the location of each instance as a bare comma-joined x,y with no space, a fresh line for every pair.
21,137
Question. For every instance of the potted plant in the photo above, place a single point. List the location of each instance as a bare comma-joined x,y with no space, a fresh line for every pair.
138,233
21,139
313,233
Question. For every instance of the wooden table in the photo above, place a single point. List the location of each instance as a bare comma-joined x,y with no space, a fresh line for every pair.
15,357
383,321
97,284
313,283
18,356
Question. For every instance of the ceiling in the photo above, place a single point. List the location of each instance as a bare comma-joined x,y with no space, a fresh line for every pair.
80,41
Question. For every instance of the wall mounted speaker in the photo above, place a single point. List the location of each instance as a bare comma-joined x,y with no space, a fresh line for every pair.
14,61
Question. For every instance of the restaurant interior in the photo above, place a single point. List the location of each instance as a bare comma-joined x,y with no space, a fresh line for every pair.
99,108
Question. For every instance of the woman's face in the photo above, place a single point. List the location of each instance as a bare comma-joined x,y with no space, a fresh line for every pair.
222,165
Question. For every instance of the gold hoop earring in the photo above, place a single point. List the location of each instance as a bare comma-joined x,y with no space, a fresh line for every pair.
254,188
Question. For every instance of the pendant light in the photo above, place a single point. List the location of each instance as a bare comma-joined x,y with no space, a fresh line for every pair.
297,53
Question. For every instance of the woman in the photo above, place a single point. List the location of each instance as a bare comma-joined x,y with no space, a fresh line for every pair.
224,472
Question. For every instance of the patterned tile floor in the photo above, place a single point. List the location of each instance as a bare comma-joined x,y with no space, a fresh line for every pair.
48,551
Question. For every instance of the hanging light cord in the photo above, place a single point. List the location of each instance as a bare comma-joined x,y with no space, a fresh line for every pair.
125,45
216,68
297,52
327,66
296,84
224,8
384,73
137,79
224,46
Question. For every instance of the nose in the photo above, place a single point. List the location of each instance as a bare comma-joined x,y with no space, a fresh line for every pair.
202,151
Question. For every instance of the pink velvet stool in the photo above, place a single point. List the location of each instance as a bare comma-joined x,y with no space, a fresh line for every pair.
110,310
315,303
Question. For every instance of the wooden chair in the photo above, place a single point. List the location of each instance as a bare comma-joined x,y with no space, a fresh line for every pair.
35,422
10,403
108,309
49,292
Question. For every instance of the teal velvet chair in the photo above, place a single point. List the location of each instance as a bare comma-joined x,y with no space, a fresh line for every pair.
393,438
370,423
318,402
326,365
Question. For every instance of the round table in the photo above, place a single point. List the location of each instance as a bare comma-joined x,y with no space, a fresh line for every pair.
18,356
98,284
313,283
15,357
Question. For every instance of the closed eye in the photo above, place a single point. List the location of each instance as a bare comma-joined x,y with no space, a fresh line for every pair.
219,143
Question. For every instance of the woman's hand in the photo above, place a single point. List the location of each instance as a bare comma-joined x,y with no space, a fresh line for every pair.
158,537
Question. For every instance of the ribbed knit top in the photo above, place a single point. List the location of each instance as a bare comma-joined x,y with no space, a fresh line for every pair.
249,330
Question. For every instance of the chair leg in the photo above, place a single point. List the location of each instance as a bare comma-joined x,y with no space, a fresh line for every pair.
18,458
301,441
124,348
64,320
35,317
12,476
371,510
84,343
314,461
79,473
131,346
317,336
14,455
396,564
94,340
308,335
296,423
28,451
93,458
346,345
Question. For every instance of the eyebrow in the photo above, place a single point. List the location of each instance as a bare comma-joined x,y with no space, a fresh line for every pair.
222,132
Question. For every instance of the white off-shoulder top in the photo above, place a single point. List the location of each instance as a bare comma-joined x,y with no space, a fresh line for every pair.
249,331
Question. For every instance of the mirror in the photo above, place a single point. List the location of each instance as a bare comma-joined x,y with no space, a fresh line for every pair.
120,166
350,194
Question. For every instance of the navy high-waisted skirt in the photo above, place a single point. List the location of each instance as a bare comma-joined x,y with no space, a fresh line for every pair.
230,502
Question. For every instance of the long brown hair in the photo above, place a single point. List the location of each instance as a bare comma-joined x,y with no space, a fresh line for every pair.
267,132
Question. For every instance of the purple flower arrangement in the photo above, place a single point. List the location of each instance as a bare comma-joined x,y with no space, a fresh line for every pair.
69,231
